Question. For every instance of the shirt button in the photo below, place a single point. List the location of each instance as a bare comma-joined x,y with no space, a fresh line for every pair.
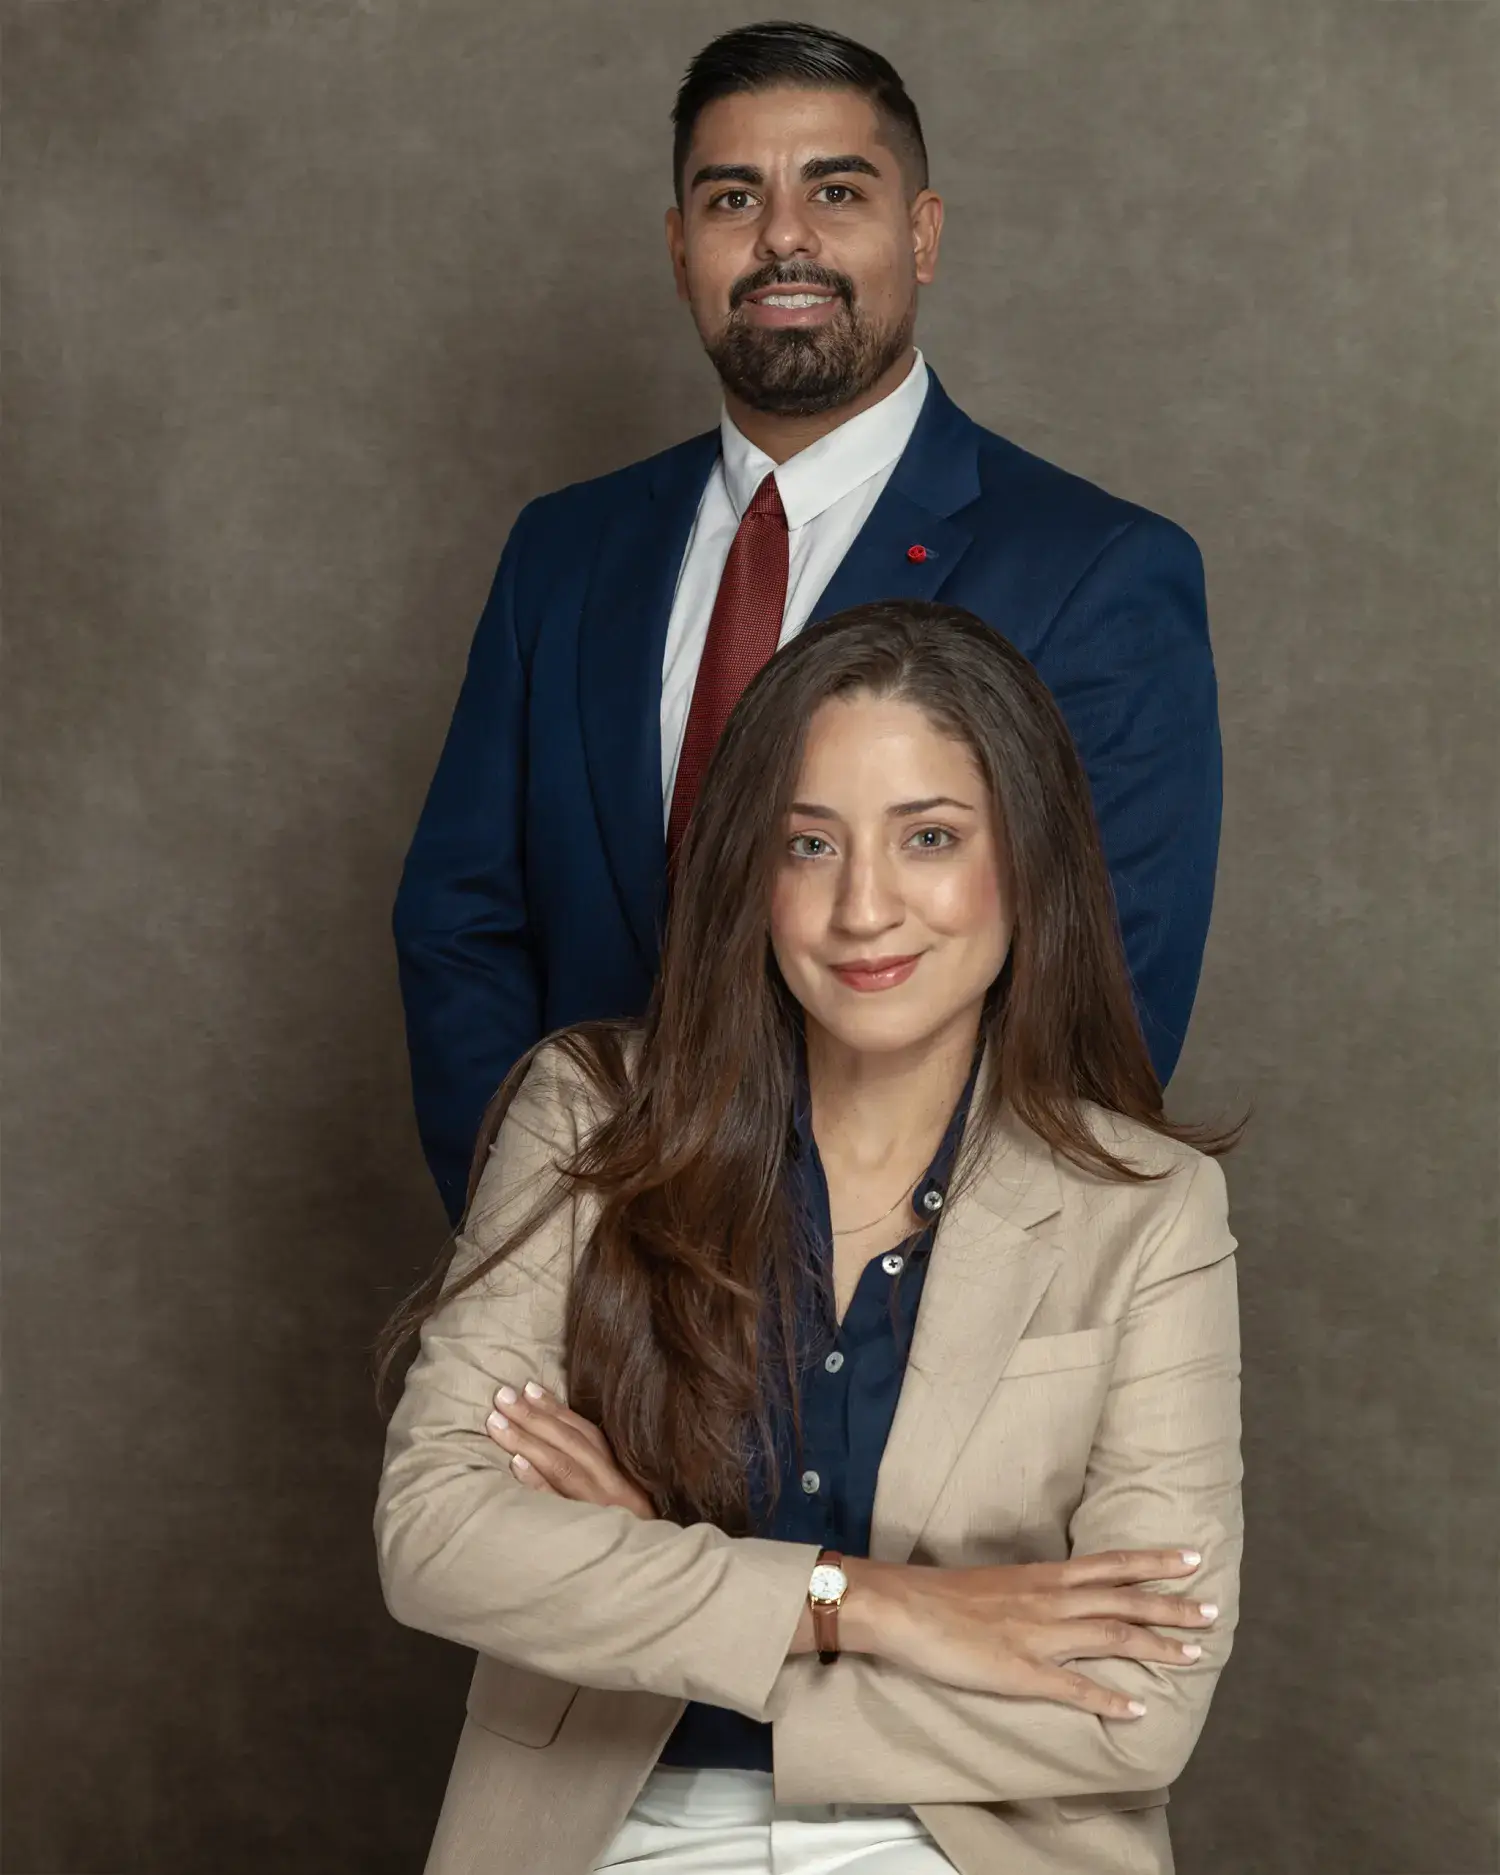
834,1362
932,1201
893,1264
810,1483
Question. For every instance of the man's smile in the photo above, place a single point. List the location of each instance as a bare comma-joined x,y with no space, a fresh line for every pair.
773,306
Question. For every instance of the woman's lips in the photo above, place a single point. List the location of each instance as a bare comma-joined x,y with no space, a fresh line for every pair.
877,973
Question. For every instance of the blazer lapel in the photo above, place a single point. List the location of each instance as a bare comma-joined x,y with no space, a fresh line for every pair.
989,1271
622,639
936,477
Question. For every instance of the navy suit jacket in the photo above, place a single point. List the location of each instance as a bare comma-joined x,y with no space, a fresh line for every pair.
534,890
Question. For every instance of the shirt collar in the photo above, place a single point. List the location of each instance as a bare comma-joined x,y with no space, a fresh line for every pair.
834,466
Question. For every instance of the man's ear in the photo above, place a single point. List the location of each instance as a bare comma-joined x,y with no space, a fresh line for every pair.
677,248
926,234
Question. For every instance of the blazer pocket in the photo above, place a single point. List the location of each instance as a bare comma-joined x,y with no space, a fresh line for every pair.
1054,1354
1106,1802
527,1708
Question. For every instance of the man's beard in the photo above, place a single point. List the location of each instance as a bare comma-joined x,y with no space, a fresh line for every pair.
803,371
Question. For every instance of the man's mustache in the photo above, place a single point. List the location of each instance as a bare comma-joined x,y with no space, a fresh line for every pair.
803,274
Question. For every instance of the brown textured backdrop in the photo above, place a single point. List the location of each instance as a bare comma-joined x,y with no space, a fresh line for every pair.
303,300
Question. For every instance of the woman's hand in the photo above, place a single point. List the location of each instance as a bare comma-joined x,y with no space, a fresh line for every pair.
555,1450
1011,1629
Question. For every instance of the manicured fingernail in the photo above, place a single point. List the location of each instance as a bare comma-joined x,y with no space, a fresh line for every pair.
507,1396
1191,1650
1191,1558
1137,1709
533,1391
520,1464
498,1421
1209,1610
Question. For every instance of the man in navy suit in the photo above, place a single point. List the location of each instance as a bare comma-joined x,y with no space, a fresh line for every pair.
840,473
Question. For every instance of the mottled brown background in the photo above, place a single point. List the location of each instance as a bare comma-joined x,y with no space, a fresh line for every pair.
302,301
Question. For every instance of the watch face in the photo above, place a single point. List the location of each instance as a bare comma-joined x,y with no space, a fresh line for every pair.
828,1583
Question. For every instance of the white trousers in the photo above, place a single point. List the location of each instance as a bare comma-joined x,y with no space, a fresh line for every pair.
729,1823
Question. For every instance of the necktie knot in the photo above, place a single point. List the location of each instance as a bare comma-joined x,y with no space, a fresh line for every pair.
766,501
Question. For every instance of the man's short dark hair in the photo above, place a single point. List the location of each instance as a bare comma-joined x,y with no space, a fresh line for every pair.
787,52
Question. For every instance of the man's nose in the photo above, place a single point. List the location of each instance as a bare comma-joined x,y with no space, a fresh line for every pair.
786,230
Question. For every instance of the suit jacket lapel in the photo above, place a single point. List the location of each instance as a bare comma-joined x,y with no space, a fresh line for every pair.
936,477
989,1271
628,605
622,639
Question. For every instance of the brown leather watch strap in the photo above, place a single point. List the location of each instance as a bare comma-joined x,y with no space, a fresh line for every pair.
825,1616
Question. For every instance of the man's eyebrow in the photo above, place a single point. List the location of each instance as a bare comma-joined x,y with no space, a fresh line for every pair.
728,172
814,170
899,810
821,166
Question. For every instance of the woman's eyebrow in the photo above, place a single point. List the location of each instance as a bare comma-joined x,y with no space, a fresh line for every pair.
904,809
899,810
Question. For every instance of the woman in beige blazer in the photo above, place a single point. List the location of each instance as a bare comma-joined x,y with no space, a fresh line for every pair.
826,1431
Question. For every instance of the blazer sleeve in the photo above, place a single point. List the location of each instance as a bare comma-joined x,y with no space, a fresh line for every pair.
469,979
1128,659
580,1592
1164,1471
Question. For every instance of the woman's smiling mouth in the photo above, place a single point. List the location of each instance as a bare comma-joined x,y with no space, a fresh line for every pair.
876,973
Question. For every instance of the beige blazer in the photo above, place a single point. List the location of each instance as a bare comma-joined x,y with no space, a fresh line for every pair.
1072,1387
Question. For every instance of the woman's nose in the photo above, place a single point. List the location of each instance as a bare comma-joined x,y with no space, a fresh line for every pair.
869,900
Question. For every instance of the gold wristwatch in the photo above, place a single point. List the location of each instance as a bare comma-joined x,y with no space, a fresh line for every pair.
825,1596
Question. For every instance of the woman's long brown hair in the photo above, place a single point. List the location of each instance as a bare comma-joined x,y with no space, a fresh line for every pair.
694,1255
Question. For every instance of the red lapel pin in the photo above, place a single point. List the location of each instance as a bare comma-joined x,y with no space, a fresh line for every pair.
920,553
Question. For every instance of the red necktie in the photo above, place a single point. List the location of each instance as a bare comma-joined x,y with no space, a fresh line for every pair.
742,633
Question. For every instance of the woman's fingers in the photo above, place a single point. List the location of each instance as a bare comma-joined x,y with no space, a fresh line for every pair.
538,1459
556,1449
524,1472
1128,1565
510,1439
1077,1689
1111,1640
535,1399
1158,1611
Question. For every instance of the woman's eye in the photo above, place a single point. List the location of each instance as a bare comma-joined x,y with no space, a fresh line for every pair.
931,839
808,846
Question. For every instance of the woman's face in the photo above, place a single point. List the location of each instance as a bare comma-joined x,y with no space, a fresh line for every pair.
890,916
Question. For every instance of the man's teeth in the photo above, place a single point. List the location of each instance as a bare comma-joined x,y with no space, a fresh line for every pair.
795,299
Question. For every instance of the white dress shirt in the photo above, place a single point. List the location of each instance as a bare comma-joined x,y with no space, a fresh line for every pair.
827,490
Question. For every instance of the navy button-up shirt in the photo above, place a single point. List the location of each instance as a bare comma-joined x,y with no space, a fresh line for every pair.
849,1384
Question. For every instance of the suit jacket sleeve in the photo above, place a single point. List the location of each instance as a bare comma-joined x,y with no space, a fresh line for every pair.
1164,1472
1127,657
580,1592
469,980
